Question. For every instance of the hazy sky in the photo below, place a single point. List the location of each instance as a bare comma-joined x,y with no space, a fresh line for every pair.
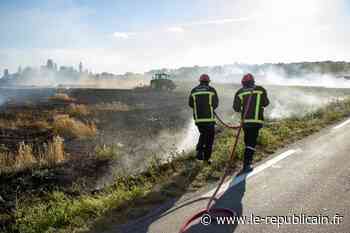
119,36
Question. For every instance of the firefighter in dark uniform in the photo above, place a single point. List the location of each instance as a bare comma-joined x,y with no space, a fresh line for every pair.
254,119
204,100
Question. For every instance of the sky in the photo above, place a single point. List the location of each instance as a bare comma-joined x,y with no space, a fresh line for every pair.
137,36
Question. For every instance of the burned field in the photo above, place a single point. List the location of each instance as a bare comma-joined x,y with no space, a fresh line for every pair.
77,141
138,125
120,116
88,135
135,120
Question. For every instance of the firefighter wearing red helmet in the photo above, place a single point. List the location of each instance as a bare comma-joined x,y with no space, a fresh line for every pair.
254,117
204,100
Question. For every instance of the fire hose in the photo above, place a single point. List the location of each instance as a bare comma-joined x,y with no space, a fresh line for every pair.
208,209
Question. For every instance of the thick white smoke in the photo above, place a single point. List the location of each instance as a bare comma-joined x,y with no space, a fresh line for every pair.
189,139
296,102
274,76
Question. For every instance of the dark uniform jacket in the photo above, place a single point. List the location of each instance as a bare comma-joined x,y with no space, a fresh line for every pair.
203,99
259,100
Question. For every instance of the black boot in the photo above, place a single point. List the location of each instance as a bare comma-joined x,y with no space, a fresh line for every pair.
248,159
247,168
207,155
208,162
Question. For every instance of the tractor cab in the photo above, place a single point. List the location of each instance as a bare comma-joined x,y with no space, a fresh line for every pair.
162,81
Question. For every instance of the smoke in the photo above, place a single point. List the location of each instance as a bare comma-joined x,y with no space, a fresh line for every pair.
297,95
294,89
285,101
68,82
289,101
67,76
317,74
176,141
2,100
293,92
189,138
113,84
275,76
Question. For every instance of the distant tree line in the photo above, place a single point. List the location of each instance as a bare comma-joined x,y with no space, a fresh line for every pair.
51,74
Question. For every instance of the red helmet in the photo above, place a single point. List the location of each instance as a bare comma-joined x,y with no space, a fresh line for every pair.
204,78
247,79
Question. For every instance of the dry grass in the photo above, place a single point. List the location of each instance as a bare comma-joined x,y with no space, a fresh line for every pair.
40,124
24,158
19,123
24,118
78,110
6,160
53,152
61,97
12,124
69,127
15,123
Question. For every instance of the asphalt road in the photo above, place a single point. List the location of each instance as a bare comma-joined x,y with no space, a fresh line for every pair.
309,179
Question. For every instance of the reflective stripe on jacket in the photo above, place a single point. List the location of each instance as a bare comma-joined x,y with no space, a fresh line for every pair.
259,100
203,99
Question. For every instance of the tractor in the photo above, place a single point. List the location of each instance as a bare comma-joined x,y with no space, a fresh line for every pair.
162,81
